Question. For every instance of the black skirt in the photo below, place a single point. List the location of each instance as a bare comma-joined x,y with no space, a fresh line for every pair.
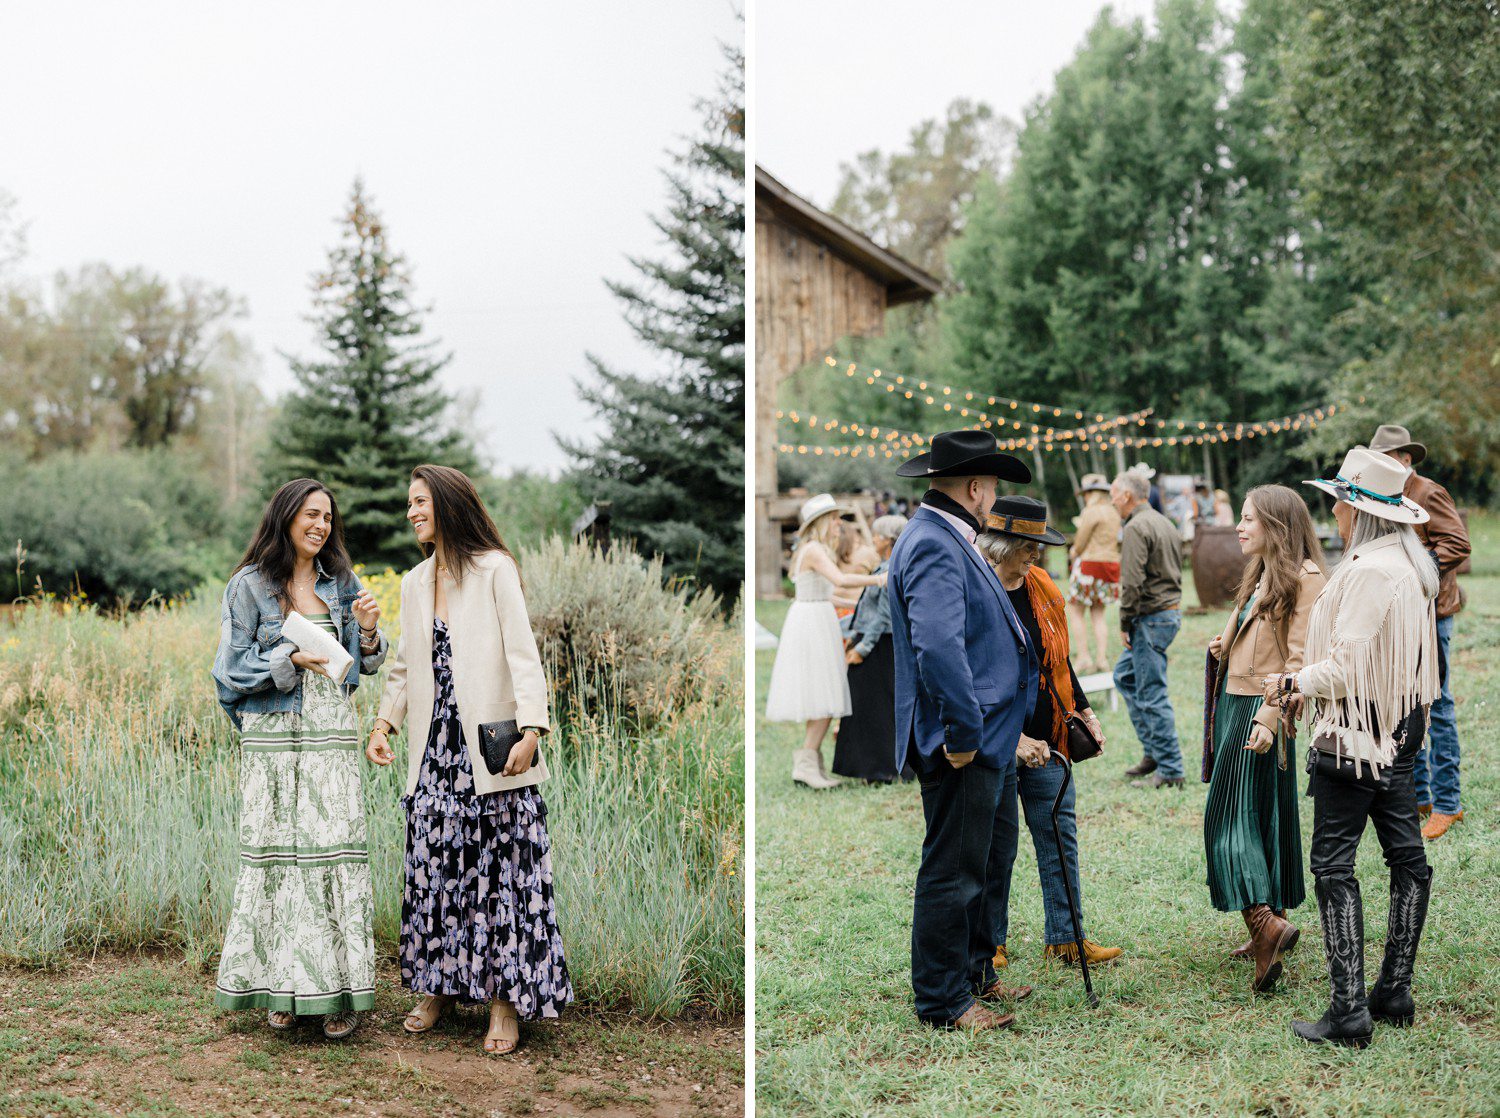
865,748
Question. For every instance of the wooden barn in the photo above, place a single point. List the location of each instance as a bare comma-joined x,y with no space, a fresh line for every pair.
816,280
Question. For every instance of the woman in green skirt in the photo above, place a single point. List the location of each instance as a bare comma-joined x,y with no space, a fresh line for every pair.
1250,826
300,935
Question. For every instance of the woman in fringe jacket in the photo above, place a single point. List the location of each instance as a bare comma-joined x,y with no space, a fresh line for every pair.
1371,672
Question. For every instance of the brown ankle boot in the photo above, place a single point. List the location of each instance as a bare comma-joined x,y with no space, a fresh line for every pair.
1246,950
1270,937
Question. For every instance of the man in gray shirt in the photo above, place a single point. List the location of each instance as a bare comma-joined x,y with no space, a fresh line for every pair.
1150,616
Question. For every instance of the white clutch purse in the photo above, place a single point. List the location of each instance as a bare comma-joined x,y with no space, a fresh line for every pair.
309,638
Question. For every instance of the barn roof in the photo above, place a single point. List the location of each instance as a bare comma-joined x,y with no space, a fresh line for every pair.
904,281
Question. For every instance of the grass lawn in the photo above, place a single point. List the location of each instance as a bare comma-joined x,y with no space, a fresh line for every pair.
1177,1030
139,1035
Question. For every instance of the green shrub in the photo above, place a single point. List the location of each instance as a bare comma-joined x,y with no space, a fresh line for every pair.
615,637
116,526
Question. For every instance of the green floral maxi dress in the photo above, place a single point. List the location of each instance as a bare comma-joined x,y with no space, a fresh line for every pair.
301,935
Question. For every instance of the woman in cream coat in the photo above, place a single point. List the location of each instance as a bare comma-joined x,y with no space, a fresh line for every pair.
477,916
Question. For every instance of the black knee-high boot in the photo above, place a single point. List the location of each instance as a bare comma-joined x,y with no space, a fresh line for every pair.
1347,1020
1390,997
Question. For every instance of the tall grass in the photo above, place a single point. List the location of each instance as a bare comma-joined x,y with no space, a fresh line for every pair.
119,802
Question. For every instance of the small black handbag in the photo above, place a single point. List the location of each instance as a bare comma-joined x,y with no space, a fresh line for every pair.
496,740
1082,744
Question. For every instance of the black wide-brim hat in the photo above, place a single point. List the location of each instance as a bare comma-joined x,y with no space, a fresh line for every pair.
966,453
1023,517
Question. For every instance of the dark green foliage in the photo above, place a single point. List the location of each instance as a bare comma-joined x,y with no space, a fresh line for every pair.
1396,109
371,408
119,526
672,461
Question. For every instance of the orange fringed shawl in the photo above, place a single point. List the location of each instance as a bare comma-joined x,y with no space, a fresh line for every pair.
1052,619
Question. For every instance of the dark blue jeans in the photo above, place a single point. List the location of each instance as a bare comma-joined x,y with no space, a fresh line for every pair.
1141,679
963,885
1038,789
1436,771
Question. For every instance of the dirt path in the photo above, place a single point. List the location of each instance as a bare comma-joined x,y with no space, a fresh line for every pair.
139,1035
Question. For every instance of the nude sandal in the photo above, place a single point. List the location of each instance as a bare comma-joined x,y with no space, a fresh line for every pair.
503,1020
426,1013
280,1019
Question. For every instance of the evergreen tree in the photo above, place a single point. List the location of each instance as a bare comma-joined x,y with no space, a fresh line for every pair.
370,408
672,463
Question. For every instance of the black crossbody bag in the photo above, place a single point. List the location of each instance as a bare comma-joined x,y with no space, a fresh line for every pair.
1082,744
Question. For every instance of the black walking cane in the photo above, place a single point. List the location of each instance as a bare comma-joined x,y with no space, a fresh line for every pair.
1062,858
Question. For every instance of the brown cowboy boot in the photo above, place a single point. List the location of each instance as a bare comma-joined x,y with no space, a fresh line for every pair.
1246,950
977,1018
1270,936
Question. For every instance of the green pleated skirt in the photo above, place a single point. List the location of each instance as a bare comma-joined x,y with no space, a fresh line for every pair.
1250,827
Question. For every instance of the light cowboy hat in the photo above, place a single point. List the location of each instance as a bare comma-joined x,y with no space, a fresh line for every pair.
1372,482
1390,436
1093,483
821,505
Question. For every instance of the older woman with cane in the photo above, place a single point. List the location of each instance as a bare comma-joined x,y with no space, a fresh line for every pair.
1014,534
1371,671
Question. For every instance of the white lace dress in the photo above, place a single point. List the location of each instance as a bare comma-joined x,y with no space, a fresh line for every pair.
809,679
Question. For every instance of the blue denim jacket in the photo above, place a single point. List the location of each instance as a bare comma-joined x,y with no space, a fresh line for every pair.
253,670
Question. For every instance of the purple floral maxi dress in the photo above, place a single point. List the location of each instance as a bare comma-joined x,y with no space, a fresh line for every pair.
477,917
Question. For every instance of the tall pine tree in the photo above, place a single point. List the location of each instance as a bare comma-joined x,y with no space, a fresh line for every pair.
673,461
370,408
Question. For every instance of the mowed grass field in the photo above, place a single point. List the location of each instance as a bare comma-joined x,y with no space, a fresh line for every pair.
1177,1031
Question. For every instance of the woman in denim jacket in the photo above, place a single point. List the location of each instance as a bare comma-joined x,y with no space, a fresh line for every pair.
299,939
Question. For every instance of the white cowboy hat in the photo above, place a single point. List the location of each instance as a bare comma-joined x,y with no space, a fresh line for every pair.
1093,483
1144,470
1372,482
821,505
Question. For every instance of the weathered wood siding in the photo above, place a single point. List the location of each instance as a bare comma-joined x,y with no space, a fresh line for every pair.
806,299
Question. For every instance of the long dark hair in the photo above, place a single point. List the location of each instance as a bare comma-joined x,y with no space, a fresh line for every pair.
271,549
460,519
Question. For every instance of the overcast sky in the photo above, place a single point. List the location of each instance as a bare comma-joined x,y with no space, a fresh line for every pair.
834,78
513,149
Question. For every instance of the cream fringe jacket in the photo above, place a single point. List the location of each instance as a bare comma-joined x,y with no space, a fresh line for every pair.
1372,638
497,671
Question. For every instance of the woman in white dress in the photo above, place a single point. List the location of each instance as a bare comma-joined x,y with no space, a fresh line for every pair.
808,680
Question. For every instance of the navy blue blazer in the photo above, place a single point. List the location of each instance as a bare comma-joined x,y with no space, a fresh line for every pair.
966,674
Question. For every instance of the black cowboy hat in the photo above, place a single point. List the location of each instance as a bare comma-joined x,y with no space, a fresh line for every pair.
1024,518
966,453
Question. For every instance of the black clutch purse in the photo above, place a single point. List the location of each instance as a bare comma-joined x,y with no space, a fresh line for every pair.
496,740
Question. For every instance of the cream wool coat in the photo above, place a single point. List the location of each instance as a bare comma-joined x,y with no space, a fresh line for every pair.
497,672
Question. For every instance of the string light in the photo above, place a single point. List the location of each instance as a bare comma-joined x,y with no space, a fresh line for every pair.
1221,433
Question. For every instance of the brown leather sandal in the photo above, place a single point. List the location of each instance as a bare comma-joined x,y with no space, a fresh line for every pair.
426,1013
503,1020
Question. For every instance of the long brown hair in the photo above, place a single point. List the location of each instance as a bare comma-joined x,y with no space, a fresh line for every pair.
271,551
460,519
1290,541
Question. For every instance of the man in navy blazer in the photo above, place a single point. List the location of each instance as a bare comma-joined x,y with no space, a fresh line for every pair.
966,679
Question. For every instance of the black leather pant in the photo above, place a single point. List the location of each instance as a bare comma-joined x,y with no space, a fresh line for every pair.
1341,809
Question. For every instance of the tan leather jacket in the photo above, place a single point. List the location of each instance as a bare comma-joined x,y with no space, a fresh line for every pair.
1098,537
1261,648
1444,535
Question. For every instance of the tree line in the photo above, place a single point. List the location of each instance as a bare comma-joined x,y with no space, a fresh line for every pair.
1220,219
119,388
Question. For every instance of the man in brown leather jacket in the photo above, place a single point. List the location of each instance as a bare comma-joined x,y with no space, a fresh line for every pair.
1447,541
